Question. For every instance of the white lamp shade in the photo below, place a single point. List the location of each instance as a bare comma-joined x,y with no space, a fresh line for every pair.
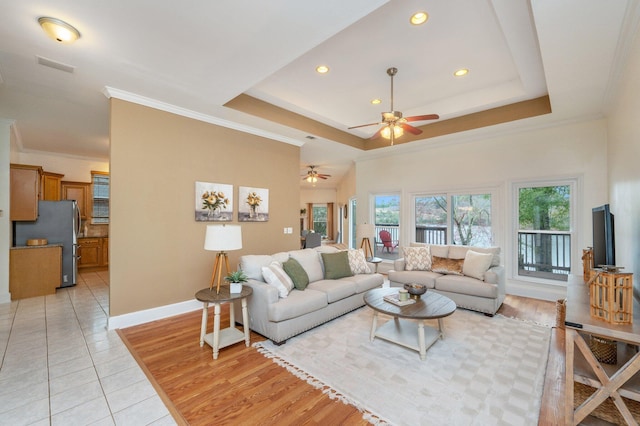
365,230
223,238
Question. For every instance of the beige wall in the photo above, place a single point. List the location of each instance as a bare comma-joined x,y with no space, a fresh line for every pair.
624,166
156,246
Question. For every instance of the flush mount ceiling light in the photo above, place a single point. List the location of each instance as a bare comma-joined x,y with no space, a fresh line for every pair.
59,30
461,72
376,101
419,18
322,69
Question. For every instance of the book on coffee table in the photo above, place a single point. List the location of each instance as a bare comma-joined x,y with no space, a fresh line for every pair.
393,298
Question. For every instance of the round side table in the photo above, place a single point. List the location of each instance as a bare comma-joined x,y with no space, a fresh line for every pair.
228,336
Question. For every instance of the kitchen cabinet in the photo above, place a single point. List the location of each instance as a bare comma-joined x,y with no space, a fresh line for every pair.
81,193
105,251
93,252
27,280
24,191
51,186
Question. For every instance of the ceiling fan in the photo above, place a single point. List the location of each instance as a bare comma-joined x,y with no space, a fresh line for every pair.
394,124
312,175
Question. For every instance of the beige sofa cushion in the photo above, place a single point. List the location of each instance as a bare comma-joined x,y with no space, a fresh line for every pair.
466,285
460,252
310,261
296,304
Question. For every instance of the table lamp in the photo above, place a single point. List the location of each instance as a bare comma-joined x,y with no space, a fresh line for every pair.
363,232
222,238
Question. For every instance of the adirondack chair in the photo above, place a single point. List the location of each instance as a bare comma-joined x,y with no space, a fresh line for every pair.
387,242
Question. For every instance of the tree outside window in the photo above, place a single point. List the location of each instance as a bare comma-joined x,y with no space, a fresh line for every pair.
544,225
320,220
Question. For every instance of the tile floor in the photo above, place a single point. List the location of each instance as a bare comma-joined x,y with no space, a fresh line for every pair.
61,366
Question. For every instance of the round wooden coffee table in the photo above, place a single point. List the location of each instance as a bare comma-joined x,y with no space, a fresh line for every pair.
408,326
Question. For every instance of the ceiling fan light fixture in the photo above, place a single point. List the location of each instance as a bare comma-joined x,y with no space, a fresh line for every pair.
59,30
461,72
386,131
419,18
322,69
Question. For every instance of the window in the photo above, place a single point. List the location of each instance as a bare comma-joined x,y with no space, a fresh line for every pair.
544,230
320,220
463,219
100,197
387,218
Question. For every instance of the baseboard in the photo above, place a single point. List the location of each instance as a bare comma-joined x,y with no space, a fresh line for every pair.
147,315
536,291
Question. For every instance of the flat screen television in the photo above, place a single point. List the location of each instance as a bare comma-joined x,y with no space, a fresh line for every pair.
604,247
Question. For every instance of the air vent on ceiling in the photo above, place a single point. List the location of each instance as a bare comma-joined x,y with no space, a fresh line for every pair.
55,64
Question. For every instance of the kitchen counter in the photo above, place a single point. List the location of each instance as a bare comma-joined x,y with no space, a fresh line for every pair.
36,247
27,280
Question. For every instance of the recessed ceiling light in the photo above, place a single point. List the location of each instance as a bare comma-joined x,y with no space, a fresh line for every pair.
59,30
461,72
419,18
376,101
322,69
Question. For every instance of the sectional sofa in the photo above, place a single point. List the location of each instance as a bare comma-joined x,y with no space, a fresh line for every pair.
283,305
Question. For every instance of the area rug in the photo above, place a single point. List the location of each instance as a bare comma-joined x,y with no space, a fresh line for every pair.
486,371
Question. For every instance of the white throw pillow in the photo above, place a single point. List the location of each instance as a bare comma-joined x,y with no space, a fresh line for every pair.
476,264
276,277
358,262
417,258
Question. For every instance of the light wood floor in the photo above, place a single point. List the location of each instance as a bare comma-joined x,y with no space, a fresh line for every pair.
244,387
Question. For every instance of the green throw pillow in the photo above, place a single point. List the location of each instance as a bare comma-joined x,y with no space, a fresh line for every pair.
297,274
336,265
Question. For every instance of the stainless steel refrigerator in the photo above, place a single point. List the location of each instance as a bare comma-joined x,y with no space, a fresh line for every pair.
59,223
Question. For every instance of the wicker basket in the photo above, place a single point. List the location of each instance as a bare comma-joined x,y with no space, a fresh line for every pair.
605,350
561,312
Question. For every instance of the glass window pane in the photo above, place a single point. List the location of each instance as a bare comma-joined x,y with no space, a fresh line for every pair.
544,238
320,220
431,219
471,220
544,208
387,219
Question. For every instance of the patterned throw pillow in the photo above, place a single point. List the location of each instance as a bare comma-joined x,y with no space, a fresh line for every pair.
358,262
417,258
276,277
444,265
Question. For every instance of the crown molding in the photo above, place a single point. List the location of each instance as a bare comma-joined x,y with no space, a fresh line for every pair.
111,92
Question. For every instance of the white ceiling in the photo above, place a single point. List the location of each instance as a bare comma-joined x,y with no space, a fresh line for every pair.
193,57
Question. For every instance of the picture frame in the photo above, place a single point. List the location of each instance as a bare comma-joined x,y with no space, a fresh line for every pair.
213,202
253,204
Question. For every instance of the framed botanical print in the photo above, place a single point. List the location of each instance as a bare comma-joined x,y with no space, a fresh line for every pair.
214,202
253,204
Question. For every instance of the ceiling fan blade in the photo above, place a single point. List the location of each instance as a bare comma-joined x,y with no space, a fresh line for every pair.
377,134
362,125
423,117
411,129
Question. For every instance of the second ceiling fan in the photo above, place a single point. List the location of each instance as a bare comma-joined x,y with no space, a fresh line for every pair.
394,123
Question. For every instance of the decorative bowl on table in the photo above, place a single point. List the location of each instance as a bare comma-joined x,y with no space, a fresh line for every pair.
416,290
